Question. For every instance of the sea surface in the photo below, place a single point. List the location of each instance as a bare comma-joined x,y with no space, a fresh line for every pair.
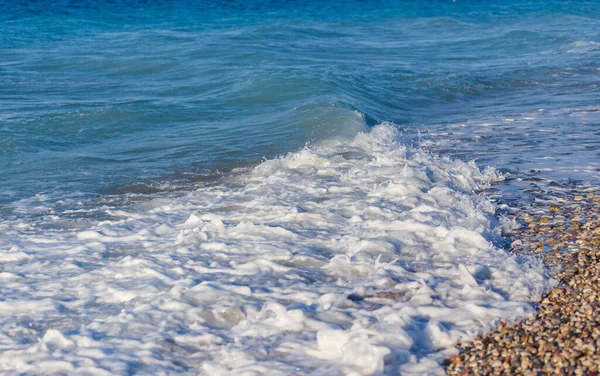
279,187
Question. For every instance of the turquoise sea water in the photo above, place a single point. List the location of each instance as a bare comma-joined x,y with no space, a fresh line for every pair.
96,97
279,187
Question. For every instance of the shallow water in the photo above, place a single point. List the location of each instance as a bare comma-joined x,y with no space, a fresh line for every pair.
264,188
352,256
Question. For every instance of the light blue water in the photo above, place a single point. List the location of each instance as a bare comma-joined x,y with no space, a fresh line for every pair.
134,237
100,96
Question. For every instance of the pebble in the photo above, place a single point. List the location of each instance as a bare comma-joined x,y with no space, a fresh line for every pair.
564,335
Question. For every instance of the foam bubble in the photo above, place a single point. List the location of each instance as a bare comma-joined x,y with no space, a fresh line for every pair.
350,257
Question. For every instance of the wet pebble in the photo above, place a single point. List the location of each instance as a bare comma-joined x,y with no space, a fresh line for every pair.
564,335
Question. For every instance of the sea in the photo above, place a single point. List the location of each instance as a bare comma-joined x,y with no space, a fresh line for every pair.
269,187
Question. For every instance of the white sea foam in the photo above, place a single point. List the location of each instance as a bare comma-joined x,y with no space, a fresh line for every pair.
355,257
583,46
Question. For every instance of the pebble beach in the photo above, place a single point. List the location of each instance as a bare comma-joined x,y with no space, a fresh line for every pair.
563,338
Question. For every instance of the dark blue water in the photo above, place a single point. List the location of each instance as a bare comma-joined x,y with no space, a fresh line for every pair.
100,97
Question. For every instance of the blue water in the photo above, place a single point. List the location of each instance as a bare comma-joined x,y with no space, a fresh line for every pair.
110,97
185,188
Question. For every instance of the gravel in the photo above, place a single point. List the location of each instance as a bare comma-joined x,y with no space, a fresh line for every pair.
563,338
